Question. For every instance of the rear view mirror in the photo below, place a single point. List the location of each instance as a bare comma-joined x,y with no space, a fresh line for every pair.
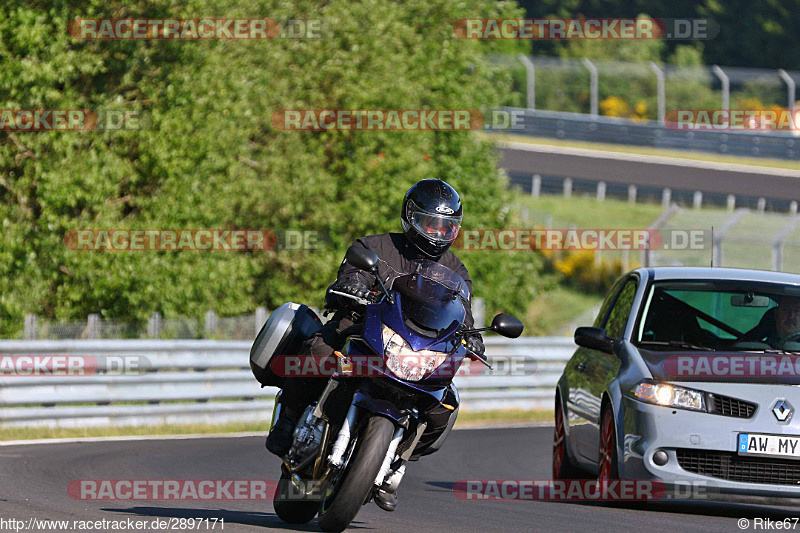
750,300
361,258
594,339
507,326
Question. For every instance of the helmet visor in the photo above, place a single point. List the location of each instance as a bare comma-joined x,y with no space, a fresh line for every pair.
438,228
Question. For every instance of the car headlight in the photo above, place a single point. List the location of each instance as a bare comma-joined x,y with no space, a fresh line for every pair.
669,395
406,363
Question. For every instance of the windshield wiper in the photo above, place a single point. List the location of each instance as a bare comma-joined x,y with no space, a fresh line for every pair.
770,350
679,344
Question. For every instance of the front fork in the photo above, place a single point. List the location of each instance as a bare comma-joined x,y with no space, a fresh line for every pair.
362,402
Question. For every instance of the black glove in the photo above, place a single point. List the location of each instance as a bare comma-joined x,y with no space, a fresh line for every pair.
352,286
475,344
349,285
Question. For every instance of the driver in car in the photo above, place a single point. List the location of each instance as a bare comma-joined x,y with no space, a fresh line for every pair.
431,217
778,323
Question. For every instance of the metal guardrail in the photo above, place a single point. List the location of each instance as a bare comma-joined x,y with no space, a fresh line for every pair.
580,127
189,381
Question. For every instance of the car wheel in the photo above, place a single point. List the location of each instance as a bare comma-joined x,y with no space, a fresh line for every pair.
607,462
562,466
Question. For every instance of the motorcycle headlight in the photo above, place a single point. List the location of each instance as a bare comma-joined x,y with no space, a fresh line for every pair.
405,363
669,395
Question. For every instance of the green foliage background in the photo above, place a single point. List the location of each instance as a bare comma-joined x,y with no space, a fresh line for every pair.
211,159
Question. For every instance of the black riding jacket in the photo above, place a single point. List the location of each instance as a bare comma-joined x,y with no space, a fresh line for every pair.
396,253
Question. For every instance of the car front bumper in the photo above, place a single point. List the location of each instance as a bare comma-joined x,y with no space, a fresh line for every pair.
701,448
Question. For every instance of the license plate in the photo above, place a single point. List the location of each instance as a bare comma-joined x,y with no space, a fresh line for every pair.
775,445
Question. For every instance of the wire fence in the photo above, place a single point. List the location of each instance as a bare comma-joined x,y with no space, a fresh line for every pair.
242,327
643,90
211,326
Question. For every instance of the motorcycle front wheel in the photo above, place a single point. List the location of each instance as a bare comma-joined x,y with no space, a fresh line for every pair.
292,511
355,484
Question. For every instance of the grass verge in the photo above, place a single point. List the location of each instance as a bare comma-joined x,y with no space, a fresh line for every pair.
36,433
588,212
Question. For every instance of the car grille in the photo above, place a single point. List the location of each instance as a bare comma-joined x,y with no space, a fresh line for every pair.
726,406
733,467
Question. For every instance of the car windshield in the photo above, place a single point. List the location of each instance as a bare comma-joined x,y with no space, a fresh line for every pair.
432,297
720,315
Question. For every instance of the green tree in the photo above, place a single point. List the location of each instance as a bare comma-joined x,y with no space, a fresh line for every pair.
210,157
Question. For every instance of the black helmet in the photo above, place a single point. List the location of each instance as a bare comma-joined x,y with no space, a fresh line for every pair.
431,216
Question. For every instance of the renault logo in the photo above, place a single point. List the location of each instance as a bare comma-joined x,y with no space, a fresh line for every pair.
782,410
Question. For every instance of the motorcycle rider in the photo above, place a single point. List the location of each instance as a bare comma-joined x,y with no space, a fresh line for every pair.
431,216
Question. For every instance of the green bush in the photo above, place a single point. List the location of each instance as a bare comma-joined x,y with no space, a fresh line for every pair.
212,159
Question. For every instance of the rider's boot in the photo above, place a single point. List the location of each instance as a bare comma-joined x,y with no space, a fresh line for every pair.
386,495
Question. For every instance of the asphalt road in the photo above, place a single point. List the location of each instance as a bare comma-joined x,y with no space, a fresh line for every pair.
34,479
650,171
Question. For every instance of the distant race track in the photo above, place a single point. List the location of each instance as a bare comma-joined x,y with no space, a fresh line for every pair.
650,171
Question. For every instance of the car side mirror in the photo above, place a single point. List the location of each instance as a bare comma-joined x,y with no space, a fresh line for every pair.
594,339
507,326
362,258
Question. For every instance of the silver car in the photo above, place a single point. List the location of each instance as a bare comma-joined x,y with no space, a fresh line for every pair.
689,377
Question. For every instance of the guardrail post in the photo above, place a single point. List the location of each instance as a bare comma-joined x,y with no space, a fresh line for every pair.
210,324
536,185
479,312
662,219
777,244
666,197
567,187
154,325
593,85
530,80
719,235
790,87
632,194
726,86
601,190
30,327
660,91
93,326
261,318
697,201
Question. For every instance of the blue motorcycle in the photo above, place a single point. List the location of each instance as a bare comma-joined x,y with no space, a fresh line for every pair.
389,400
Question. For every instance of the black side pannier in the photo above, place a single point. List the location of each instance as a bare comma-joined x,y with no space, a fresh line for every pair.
283,334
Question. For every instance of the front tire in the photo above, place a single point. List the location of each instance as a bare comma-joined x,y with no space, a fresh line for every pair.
607,469
562,466
356,484
292,511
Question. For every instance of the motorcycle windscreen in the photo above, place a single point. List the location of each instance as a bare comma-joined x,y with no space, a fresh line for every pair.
429,305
